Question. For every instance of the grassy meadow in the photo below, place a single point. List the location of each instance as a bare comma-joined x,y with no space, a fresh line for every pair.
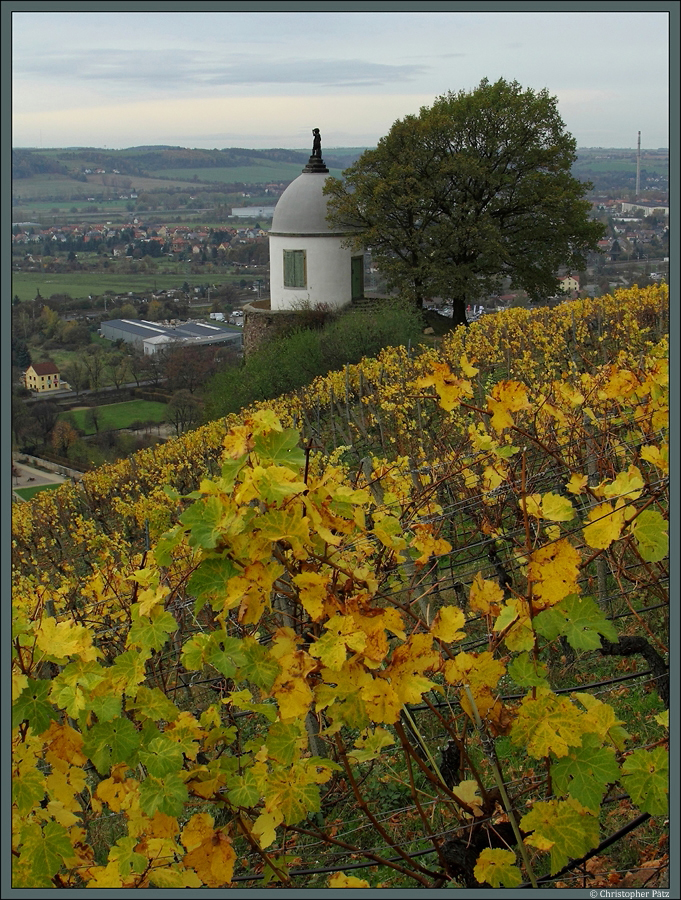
118,415
26,493
25,285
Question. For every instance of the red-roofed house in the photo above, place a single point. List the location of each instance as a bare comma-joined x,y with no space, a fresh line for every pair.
42,377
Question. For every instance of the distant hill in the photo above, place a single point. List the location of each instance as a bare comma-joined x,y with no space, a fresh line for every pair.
49,174
152,161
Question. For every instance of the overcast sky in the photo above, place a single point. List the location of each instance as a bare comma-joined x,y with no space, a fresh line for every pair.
265,79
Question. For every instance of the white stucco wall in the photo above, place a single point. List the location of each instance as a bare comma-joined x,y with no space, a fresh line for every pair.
328,271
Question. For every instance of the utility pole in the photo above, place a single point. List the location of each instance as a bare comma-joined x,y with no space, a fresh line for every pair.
638,166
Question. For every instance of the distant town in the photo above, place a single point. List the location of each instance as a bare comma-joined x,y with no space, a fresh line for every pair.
129,286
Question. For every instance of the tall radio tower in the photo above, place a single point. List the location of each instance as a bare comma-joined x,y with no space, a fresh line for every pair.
638,166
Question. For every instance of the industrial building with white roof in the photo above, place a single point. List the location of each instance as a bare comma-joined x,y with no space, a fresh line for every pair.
152,337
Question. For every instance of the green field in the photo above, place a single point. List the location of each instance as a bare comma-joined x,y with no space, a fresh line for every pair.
42,187
82,284
119,415
260,174
62,358
658,166
28,492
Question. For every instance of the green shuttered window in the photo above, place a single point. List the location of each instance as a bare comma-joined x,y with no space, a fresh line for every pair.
295,274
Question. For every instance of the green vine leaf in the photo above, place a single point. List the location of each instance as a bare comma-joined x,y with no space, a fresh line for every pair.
577,618
32,706
247,791
151,632
108,743
129,862
28,789
564,827
152,703
167,795
161,756
259,668
497,867
280,448
646,778
204,519
586,772
651,533
527,672
168,542
209,581
286,740
225,653
370,744
47,848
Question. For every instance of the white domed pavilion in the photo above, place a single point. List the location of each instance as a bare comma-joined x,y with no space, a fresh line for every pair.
308,263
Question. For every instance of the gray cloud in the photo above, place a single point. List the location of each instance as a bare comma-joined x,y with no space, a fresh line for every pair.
180,70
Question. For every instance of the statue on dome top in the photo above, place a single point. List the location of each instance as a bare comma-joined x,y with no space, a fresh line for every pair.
316,144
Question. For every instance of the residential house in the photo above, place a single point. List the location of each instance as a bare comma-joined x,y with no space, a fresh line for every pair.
569,284
42,377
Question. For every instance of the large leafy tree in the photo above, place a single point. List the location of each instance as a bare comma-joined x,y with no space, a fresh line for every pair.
474,188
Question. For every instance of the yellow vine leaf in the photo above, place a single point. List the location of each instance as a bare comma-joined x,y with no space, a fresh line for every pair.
475,669
577,483
493,476
107,876
313,588
428,544
341,880
382,701
515,616
375,646
658,456
467,792
600,719
486,596
61,813
290,688
171,877
449,388
341,633
64,745
468,370
197,829
481,672
556,508
605,524
409,661
506,397
213,859
448,624
532,505
239,441
264,827
627,484
547,723
60,640
554,570
620,383
289,526
19,682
